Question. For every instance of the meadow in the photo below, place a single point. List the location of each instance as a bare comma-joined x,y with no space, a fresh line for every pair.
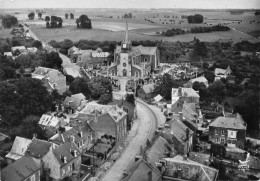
108,24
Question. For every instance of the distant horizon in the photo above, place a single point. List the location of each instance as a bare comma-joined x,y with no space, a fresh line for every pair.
131,4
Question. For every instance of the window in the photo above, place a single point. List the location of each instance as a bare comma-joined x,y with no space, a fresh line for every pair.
222,132
222,140
217,140
33,178
216,132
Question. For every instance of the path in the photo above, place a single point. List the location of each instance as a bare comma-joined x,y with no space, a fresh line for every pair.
147,125
71,68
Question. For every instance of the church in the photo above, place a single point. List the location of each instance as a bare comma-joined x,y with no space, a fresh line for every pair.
133,61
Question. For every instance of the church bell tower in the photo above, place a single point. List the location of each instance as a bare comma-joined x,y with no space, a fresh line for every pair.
126,45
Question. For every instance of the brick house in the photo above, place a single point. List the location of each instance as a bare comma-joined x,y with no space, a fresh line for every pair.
23,169
228,130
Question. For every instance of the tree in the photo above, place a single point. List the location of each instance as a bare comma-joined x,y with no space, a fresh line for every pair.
65,46
37,44
52,60
197,18
71,16
47,18
130,98
80,85
99,86
217,91
8,21
54,44
210,76
40,15
66,16
105,98
84,22
200,49
31,16
23,97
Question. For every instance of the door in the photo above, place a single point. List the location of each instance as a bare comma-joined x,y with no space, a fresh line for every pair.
124,72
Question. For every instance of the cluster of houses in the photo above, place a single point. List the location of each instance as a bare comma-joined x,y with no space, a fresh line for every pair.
79,133
22,51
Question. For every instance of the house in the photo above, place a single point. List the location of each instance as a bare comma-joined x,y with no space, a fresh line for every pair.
182,168
178,134
106,120
71,71
82,135
52,78
8,54
93,58
181,95
159,149
22,169
71,103
110,121
222,73
32,49
190,117
228,130
158,99
20,48
147,91
129,108
201,79
62,160
51,123
18,150
37,149
142,171
72,50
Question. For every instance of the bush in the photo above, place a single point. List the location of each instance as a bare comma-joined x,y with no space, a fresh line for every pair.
105,98
197,18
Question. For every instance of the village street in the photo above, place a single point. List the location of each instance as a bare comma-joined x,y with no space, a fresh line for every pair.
145,125
74,70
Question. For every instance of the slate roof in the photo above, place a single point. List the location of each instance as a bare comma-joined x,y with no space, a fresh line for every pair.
178,130
38,148
64,151
19,148
73,101
51,121
20,169
205,173
79,96
199,79
8,54
43,70
139,50
139,171
158,98
231,123
158,150
18,48
188,92
189,111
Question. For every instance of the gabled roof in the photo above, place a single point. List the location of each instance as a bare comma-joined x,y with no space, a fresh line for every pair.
205,173
19,48
231,123
19,148
188,92
51,121
146,50
189,111
199,79
139,171
72,101
38,148
20,169
79,96
158,98
64,151
178,130
8,54
158,150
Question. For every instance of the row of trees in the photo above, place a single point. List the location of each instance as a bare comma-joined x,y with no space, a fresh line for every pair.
53,22
71,16
197,18
209,29
8,21
173,32
84,22
127,15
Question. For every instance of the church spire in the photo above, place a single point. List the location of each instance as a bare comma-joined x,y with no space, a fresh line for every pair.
126,32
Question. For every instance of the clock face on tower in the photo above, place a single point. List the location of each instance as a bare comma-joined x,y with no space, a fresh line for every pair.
124,45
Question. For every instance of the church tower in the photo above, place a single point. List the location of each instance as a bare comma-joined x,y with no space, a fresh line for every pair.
126,45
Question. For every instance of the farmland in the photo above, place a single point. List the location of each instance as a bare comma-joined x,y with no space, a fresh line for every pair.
108,24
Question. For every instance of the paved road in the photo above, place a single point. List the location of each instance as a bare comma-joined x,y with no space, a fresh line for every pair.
147,125
66,63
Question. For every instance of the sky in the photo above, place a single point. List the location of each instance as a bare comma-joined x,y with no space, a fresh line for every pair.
197,4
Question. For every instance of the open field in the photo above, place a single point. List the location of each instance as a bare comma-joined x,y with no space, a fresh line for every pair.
105,28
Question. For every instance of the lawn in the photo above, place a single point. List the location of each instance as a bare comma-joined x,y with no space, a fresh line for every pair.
5,33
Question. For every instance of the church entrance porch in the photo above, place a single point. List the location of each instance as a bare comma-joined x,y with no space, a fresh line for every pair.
124,73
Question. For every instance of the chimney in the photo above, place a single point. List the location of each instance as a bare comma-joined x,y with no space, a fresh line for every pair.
81,134
181,116
150,175
65,159
57,108
75,153
73,139
35,135
187,134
